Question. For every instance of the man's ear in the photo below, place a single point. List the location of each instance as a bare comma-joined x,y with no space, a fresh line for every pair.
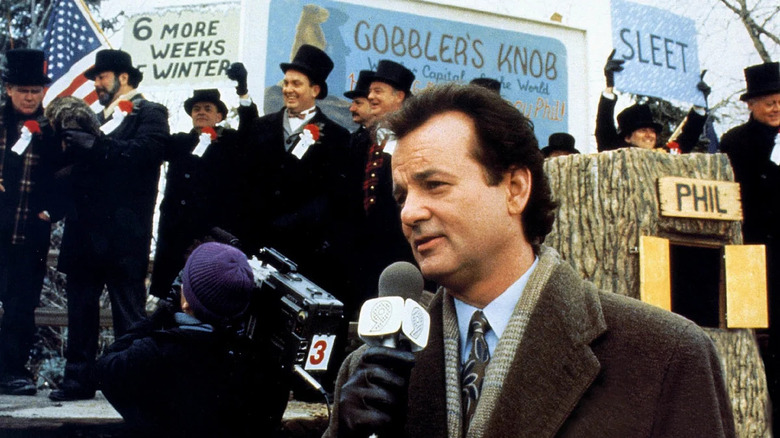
518,189
123,78
317,90
185,306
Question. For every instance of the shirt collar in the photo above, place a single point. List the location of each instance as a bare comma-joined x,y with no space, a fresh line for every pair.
107,111
498,312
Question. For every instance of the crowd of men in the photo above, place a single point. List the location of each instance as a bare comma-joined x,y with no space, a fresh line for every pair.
475,207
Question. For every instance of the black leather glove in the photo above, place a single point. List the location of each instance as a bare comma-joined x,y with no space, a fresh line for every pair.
237,72
702,86
612,66
74,138
375,398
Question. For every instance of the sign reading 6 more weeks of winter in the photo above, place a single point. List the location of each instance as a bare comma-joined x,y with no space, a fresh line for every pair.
698,198
182,47
660,51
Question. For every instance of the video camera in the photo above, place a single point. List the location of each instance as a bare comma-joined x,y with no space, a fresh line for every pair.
301,318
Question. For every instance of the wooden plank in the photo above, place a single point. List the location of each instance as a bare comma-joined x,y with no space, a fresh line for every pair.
746,293
655,285
49,316
699,198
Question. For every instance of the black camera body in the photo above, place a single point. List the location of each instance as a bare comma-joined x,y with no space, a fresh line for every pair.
301,318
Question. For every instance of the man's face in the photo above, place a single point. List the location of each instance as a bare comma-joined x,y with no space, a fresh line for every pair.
107,86
299,94
460,227
361,111
26,99
205,114
766,109
642,138
384,99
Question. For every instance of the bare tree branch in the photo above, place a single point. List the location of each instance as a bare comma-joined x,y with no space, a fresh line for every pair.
755,30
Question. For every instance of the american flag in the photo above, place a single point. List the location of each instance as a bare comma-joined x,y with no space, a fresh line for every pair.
71,40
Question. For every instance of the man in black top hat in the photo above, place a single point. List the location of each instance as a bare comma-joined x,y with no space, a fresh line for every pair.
754,151
380,241
199,187
295,171
29,157
360,108
636,126
559,144
107,235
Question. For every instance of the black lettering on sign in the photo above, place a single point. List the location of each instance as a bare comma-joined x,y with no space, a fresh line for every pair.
683,190
658,50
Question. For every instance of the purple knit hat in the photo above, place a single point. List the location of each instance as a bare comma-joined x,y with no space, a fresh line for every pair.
216,282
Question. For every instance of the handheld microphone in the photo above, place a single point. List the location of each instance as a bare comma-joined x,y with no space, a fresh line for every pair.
395,315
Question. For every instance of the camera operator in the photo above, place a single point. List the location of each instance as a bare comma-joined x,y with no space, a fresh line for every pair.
190,373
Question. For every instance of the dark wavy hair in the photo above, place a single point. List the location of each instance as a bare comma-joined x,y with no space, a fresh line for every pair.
506,140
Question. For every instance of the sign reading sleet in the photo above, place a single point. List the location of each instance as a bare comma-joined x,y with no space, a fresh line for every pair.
186,47
697,198
532,69
660,51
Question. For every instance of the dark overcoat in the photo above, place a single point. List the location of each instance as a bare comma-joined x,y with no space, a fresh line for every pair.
186,379
199,195
378,238
114,187
43,194
749,148
295,204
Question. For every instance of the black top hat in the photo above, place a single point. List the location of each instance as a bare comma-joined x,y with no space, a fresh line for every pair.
762,79
559,141
363,85
394,74
210,95
315,64
489,83
116,61
636,117
25,67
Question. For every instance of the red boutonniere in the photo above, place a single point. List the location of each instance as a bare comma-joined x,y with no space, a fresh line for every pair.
32,126
210,131
674,148
207,135
125,106
121,110
314,130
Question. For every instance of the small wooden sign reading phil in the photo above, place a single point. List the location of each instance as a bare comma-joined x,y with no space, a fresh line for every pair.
698,198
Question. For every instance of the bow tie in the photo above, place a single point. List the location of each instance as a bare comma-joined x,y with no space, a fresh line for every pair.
301,115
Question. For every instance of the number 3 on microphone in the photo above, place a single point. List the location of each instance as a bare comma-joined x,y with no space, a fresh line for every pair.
319,352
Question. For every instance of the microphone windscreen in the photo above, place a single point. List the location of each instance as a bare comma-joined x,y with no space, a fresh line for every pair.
401,279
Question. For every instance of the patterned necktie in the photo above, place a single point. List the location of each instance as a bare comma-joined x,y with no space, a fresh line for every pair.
474,368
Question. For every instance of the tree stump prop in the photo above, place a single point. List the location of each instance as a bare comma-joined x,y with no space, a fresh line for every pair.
606,202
